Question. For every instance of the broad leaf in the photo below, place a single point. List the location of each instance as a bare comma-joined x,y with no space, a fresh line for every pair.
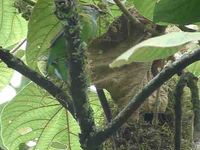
13,27
177,11
194,68
43,26
169,11
33,115
5,75
1,140
97,108
145,8
155,48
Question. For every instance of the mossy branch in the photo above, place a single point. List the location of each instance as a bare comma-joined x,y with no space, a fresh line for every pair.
187,79
66,12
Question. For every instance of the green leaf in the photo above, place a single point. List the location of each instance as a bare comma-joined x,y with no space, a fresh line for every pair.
1,140
177,11
13,27
194,68
97,108
169,11
43,26
33,115
58,51
155,48
5,76
145,8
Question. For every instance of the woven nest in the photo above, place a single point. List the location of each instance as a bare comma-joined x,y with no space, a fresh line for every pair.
123,83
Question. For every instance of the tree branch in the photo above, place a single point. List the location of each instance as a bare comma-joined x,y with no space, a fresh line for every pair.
178,111
18,65
193,85
130,17
138,100
67,13
104,104
186,29
187,79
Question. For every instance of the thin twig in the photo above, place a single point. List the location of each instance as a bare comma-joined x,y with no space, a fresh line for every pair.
130,17
106,108
186,29
15,49
104,104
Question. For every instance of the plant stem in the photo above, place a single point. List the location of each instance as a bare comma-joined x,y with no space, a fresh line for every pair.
187,79
193,85
106,108
178,111
15,49
130,17
104,104
186,29
67,13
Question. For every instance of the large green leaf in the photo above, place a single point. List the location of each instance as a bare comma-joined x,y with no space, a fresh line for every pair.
177,11
170,11
13,27
145,8
155,48
5,75
33,115
43,26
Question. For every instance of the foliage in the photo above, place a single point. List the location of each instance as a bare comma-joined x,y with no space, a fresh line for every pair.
6,75
34,115
156,48
42,27
169,11
13,28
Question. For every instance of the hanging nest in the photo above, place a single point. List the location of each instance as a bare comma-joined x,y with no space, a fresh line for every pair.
125,82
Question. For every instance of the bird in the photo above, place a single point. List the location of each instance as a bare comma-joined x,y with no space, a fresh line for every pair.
57,62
